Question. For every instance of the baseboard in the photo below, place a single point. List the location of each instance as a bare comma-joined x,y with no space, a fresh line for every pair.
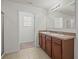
2,55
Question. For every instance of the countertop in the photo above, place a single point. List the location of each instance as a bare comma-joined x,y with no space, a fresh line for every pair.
61,36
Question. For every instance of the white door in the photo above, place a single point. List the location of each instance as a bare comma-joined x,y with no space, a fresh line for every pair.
26,27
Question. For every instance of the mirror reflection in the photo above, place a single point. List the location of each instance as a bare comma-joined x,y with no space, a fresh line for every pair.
62,15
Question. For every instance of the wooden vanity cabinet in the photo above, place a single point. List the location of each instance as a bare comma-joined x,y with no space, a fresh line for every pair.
48,45
57,47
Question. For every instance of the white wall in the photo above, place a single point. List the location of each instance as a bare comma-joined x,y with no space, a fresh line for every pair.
11,23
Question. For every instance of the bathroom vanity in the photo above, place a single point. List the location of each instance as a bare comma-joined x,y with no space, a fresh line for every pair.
57,45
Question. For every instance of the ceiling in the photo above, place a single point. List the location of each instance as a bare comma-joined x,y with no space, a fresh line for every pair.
39,3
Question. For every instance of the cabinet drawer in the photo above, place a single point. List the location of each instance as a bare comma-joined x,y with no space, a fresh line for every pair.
43,35
56,40
48,37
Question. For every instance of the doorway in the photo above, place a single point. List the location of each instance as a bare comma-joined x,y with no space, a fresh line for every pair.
26,30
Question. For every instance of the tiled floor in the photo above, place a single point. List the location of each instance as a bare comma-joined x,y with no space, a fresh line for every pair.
30,53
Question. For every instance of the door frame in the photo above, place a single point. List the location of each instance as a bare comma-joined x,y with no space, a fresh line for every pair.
18,28
2,34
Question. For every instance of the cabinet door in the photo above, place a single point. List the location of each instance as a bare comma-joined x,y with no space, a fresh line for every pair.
48,45
56,47
40,39
43,41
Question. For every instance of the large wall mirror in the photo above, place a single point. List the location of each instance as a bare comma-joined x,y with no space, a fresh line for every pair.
61,22
62,17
